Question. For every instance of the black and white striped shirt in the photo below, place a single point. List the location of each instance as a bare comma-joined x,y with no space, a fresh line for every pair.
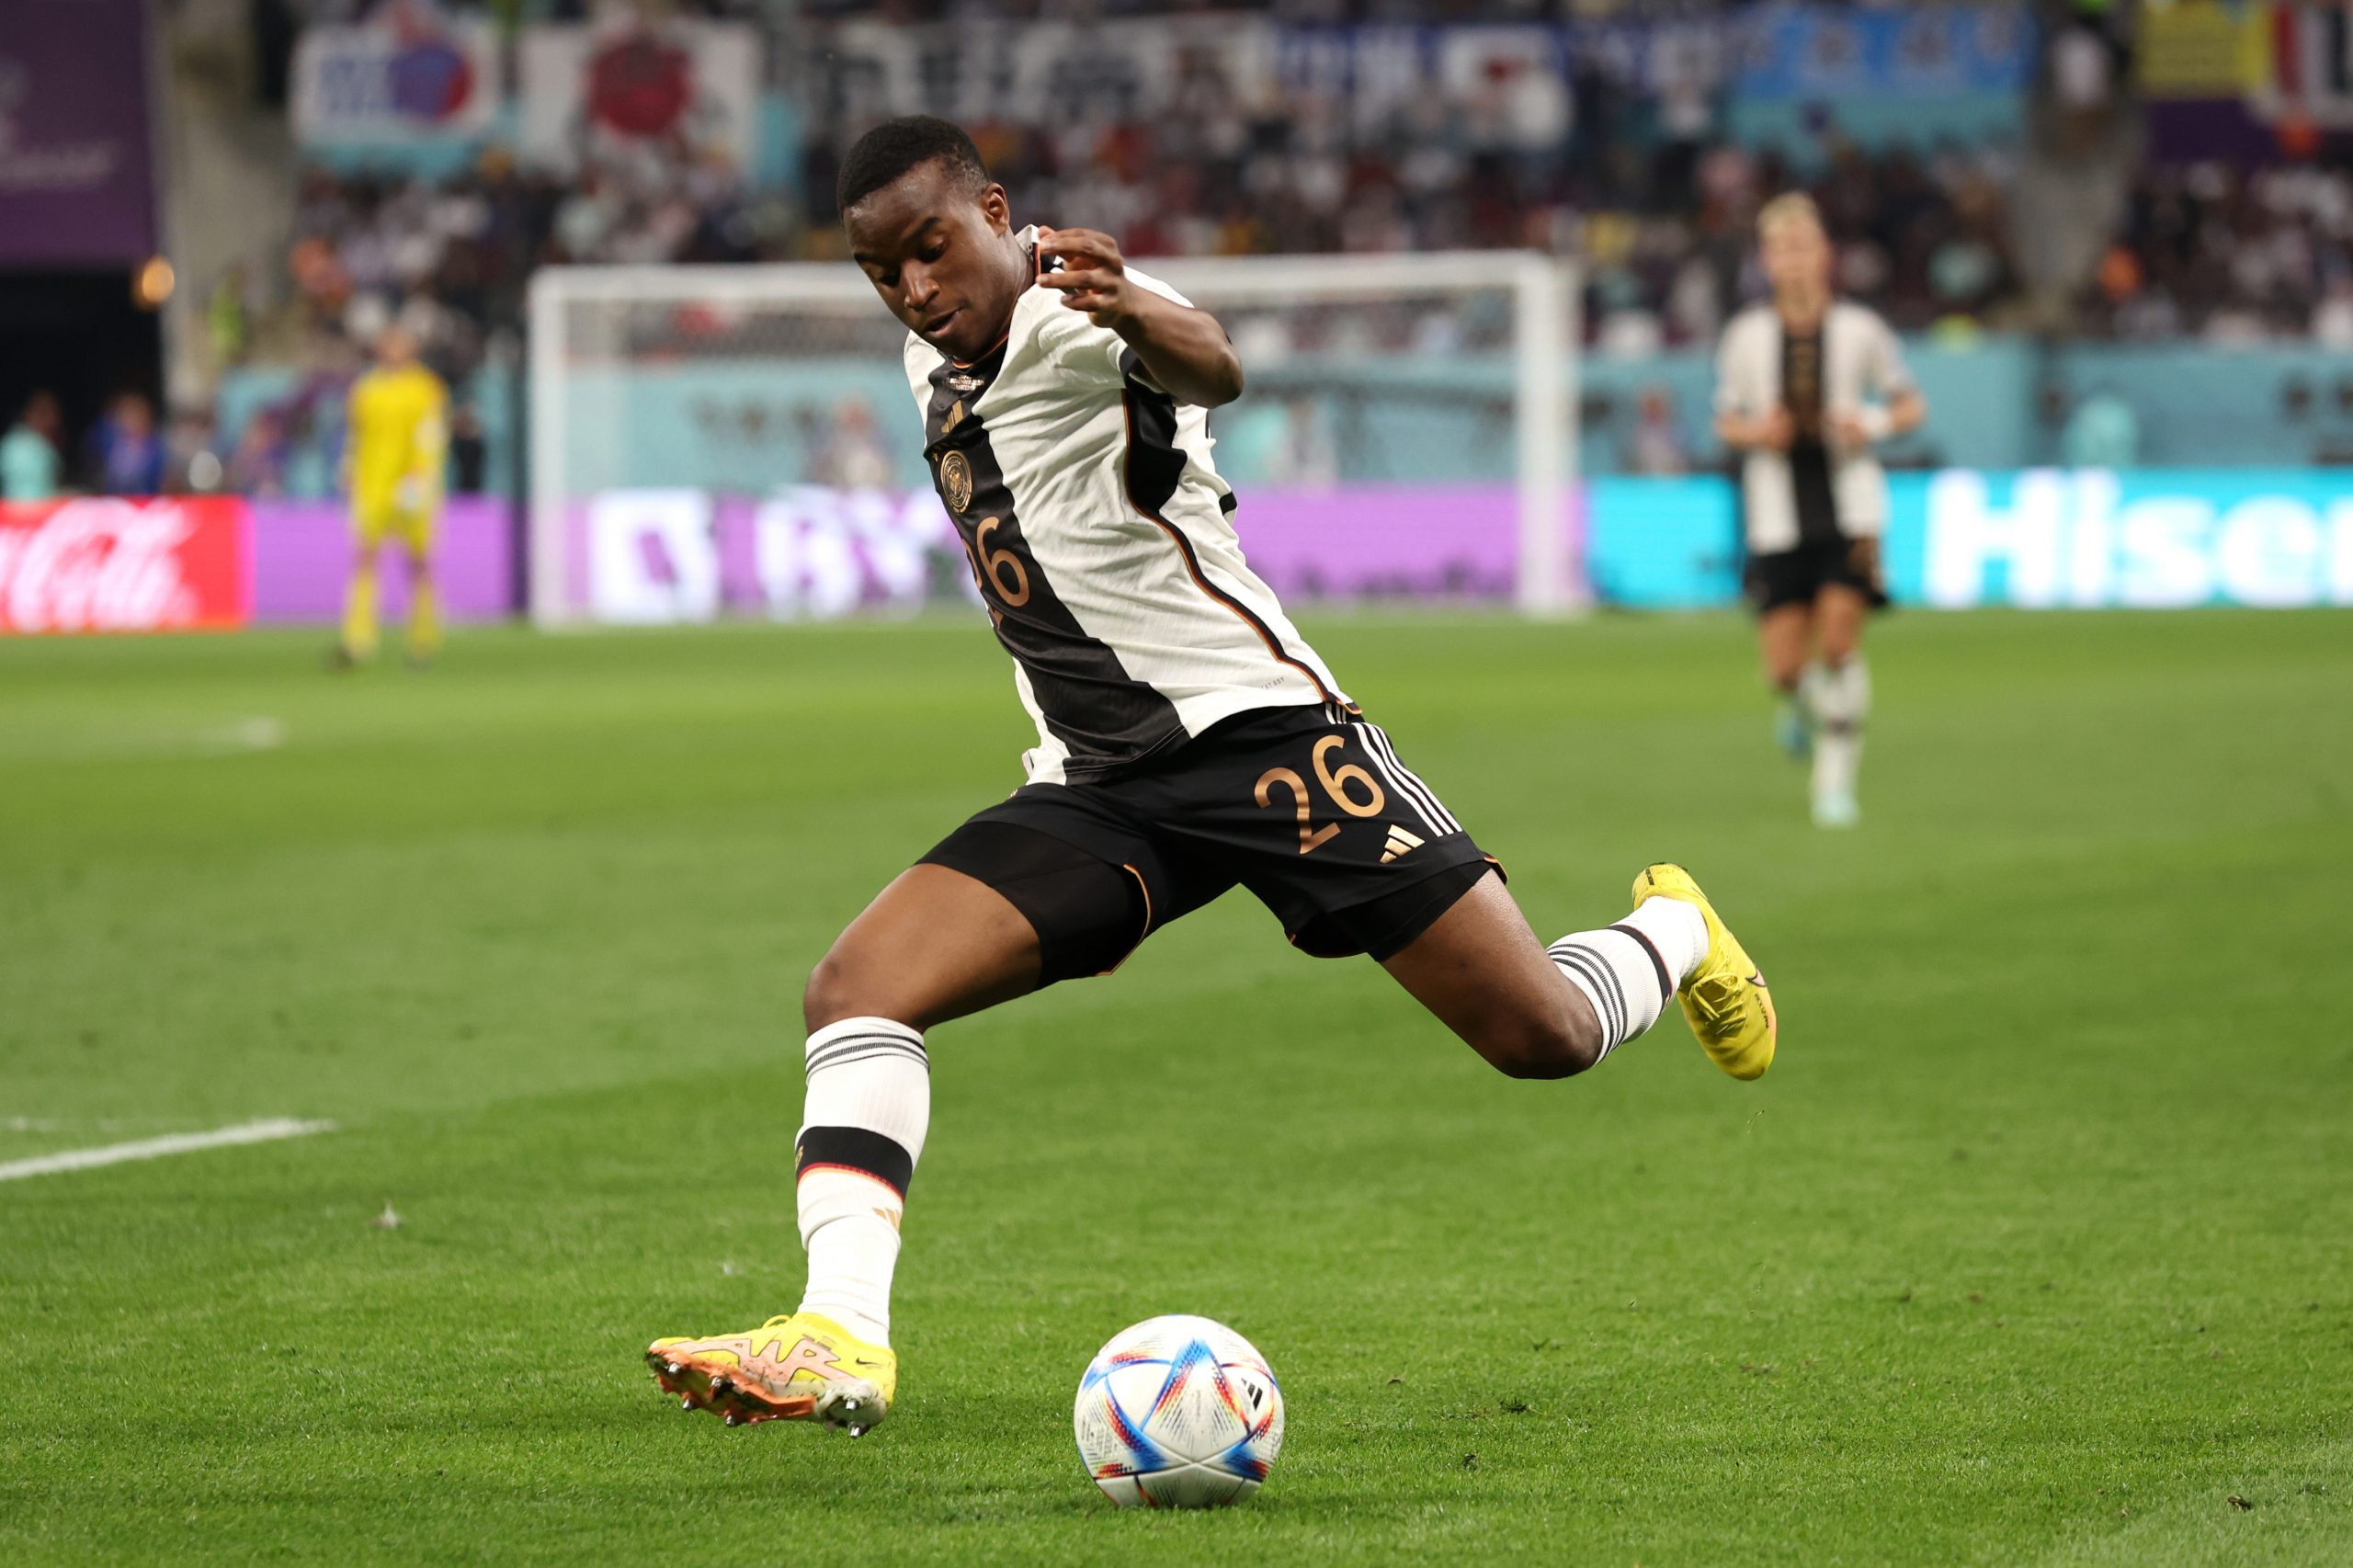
1100,531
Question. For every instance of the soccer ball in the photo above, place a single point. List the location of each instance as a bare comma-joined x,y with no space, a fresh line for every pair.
1178,1413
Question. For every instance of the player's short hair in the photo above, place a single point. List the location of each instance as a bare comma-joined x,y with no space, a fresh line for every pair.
1789,207
895,146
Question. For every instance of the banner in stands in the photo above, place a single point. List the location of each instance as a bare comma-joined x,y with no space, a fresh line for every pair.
409,75
634,92
979,70
107,564
1829,51
75,187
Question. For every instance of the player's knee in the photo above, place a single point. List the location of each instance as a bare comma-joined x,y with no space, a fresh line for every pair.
1555,1044
837,990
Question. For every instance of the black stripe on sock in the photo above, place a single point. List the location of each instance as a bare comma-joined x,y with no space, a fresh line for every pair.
844,1059
1609,999
856,1149
835,1050
1665,980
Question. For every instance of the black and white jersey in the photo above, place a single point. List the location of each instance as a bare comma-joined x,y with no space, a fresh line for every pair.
1812,492
1099,531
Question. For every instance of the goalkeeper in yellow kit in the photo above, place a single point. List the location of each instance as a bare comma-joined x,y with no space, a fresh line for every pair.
393,469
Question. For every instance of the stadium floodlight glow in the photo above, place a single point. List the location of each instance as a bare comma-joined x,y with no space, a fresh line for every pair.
688,423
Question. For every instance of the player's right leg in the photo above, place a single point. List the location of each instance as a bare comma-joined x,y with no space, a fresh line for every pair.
1841,698
1784,634
937,944
357,641
993,913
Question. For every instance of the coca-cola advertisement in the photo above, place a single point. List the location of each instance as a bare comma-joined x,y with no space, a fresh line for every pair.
107,563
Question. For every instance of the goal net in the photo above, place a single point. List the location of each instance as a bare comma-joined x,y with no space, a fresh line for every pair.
739,441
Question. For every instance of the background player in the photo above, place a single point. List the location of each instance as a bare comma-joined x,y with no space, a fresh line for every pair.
393,469
1805,387
1189,740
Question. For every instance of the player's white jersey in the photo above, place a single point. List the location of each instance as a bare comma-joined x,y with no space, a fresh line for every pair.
1852,362
1097,527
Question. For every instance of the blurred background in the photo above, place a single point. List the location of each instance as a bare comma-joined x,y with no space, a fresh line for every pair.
2117,237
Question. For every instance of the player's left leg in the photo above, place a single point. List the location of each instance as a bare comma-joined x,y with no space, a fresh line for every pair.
1315,812
1534,1012
424,598
1840,697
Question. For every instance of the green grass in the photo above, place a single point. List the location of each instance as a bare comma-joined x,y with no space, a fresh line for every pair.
2036,1247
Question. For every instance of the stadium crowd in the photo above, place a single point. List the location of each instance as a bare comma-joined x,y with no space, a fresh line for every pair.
1638,179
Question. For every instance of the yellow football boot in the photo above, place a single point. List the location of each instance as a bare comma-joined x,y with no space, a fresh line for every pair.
800,1367
1724,1001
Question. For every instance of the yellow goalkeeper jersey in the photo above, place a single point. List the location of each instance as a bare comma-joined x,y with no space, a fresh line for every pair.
398,432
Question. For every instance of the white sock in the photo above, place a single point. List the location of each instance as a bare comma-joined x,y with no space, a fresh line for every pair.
1842,703
1629,970
868,1108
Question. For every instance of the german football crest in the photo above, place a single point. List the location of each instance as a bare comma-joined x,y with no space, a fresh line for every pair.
955,481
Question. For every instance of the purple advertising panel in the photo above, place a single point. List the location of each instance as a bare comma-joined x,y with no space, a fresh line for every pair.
75,187
1383,541
303,555
670,555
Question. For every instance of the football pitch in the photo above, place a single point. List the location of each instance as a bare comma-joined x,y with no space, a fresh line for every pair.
2036,1246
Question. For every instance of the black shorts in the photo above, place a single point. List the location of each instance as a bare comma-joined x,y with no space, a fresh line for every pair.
1796,576
1307,807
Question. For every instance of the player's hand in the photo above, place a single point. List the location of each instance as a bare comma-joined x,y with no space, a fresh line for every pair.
409,495
1093,279
1777,431
1848,431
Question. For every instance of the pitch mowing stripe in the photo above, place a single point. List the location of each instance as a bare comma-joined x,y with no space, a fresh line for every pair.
156,1148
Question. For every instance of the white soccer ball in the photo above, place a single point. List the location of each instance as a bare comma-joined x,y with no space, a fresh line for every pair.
1178,1413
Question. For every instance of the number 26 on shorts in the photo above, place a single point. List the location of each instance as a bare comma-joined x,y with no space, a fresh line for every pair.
1336,784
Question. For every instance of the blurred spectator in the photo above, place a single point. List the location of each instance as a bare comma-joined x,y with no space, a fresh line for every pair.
258,464
2103,432
125,451
1656,447
30,463
1304,457
469,453
191,464
226,319
853,456
2231,256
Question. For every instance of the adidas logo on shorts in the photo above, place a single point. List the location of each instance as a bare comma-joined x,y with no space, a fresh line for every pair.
1400,843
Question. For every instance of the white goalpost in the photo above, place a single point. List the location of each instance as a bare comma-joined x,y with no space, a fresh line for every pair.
710,441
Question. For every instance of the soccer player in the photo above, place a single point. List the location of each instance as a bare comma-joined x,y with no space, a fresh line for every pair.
1805,386
393,468
1188,740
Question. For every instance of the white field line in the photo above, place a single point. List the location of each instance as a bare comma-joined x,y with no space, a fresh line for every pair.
156,1148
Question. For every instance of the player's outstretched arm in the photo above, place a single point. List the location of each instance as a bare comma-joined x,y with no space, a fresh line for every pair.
1185,350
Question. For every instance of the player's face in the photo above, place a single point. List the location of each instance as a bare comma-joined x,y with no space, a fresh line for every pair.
937,255
1796,254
